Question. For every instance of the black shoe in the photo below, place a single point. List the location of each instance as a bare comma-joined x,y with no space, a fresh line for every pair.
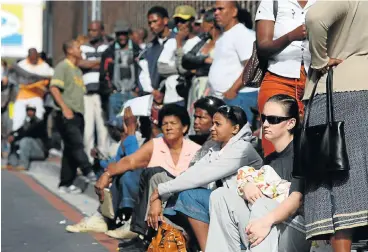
134,245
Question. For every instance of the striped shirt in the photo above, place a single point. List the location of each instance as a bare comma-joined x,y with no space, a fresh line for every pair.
91,76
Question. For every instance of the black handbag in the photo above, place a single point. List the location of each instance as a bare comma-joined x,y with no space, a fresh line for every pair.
321,149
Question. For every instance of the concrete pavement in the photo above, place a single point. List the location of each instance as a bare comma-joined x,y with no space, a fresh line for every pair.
34,219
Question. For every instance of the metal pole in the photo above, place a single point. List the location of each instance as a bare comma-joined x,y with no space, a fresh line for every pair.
85,17
96,10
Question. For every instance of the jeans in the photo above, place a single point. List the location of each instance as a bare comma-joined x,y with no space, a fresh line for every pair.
125,190
116,102
71,132
245,101
26,150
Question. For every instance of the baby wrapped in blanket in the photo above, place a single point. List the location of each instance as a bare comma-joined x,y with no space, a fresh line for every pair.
266,179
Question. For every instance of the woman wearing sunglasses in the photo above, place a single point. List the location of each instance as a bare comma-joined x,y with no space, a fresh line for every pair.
260,223
233,150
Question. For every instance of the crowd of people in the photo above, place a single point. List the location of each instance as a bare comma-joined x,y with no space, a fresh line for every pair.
167,128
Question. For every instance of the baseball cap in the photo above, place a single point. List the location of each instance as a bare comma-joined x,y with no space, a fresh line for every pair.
116,122
122,26
31,107
185,12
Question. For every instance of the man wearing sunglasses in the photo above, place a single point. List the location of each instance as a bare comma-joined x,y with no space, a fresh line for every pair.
119,69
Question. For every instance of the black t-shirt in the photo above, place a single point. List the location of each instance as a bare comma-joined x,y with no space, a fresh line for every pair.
282,163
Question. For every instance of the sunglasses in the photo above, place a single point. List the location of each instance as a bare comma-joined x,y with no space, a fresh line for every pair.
274,119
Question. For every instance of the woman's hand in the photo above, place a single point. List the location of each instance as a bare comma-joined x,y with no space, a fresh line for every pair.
102,183
258,230
251,192
230,94
332,62
298,34
155,196
155,214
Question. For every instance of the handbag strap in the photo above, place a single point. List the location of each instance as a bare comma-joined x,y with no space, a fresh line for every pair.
329,102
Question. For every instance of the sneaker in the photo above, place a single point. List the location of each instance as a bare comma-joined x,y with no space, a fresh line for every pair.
90,177
122,232
63,189
137,244
72,189
89,224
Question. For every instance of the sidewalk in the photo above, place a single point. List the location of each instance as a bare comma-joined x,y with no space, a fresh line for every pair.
47,174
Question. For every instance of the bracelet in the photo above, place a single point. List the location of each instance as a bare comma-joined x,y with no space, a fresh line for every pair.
108,173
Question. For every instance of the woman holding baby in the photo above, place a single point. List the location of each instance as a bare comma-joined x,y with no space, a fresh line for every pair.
253,220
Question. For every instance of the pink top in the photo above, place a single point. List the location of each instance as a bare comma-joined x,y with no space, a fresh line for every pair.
161,156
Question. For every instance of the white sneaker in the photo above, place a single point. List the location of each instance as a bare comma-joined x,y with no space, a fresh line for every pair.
72,189
122,232
89,224
63,189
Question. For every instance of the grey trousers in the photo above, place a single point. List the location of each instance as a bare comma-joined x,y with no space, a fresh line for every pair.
230,215
157,179
29,149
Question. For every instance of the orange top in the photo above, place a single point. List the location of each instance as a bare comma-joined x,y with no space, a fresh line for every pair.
37,89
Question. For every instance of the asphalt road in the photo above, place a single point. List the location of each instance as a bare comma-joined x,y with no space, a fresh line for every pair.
31,218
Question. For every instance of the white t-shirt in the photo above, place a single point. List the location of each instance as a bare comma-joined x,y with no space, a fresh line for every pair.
231,49
167,56
290,15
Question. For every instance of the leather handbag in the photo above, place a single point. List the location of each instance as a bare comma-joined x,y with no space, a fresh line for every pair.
321,149
256,66
168,239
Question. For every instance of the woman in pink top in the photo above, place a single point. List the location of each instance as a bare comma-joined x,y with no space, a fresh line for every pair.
172,152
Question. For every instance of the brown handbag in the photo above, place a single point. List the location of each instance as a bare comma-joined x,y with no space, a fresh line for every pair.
168,239
256,66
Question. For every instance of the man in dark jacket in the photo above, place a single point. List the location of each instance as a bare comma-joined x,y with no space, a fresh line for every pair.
119,70
29,142
158,19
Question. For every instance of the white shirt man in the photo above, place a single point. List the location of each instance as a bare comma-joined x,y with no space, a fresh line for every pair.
231,50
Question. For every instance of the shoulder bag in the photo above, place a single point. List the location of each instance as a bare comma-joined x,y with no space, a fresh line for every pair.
256,66
321,149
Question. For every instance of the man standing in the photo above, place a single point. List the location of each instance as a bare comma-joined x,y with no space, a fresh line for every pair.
90,65
68,90
232,50
119,70
169,63
149,76
139,37
32,75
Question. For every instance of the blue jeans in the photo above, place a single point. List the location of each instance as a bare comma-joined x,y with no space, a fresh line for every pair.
245,101
193,203
125,190
116,102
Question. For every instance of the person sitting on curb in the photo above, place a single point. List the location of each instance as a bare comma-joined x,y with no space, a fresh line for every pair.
123,189
29,142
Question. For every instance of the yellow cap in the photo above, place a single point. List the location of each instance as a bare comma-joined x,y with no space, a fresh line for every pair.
185,12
